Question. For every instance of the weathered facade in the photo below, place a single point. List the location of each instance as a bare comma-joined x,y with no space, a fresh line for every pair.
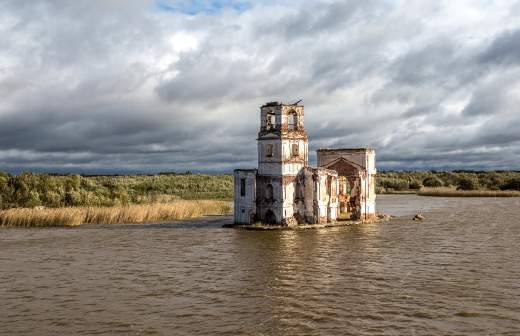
285,190
356,169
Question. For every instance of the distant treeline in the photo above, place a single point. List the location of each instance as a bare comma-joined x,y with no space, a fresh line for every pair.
53,190
461,180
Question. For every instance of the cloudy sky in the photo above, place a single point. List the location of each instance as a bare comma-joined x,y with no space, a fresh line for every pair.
174,85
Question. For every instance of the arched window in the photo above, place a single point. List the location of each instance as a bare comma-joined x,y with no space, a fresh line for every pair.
269,192
270,122
292,121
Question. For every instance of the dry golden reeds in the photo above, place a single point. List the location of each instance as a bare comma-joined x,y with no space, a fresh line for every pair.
452,192
156,212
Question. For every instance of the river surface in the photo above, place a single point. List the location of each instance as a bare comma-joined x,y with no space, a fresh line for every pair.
456,273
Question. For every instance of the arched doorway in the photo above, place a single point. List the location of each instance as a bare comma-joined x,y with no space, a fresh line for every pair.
270,217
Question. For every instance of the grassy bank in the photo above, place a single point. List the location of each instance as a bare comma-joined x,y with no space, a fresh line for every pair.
29,190
451,192
72,216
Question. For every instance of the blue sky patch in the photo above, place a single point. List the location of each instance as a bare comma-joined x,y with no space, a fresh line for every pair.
194,7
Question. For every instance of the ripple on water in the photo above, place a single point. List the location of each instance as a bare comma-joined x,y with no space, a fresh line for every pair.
454,273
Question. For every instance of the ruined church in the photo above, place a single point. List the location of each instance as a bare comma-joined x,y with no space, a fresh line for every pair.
286,191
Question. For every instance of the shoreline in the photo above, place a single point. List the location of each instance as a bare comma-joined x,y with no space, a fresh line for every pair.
181,210
451,192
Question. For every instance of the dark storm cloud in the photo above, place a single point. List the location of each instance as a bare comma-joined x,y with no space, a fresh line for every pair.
135,86
504,50
315,18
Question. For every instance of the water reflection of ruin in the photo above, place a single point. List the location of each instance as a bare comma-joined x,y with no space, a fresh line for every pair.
285,190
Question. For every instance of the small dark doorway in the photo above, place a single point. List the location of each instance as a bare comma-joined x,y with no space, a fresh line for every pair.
270,217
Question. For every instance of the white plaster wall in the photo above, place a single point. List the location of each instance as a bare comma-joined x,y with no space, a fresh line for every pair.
292,168
333,212
270,165
282,162
368,196
270,168
370,208
262,150
334,200
245,206
289,196
321,196
290,190
288,211
287,149
371,163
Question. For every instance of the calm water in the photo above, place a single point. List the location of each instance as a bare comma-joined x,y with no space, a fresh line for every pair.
457,273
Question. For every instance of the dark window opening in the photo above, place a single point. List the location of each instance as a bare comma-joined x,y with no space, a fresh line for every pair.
269,150
299,190
270,121
295,150
269,192
242,187
292,121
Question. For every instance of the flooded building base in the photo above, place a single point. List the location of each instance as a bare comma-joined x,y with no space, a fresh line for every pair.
285,191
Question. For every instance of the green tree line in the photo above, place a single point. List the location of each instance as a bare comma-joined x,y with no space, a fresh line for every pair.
49,190
30,189
462,180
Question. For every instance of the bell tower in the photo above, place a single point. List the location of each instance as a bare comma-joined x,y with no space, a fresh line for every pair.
282,153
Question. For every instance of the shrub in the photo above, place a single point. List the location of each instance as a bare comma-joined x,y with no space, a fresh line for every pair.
467,184
414,184
393,183
432,181
512,184
73,198
491,181
33,199
52,199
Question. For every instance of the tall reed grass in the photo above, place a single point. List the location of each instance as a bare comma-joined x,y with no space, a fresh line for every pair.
72,216
451,192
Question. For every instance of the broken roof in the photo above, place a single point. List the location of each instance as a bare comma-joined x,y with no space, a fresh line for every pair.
277,103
